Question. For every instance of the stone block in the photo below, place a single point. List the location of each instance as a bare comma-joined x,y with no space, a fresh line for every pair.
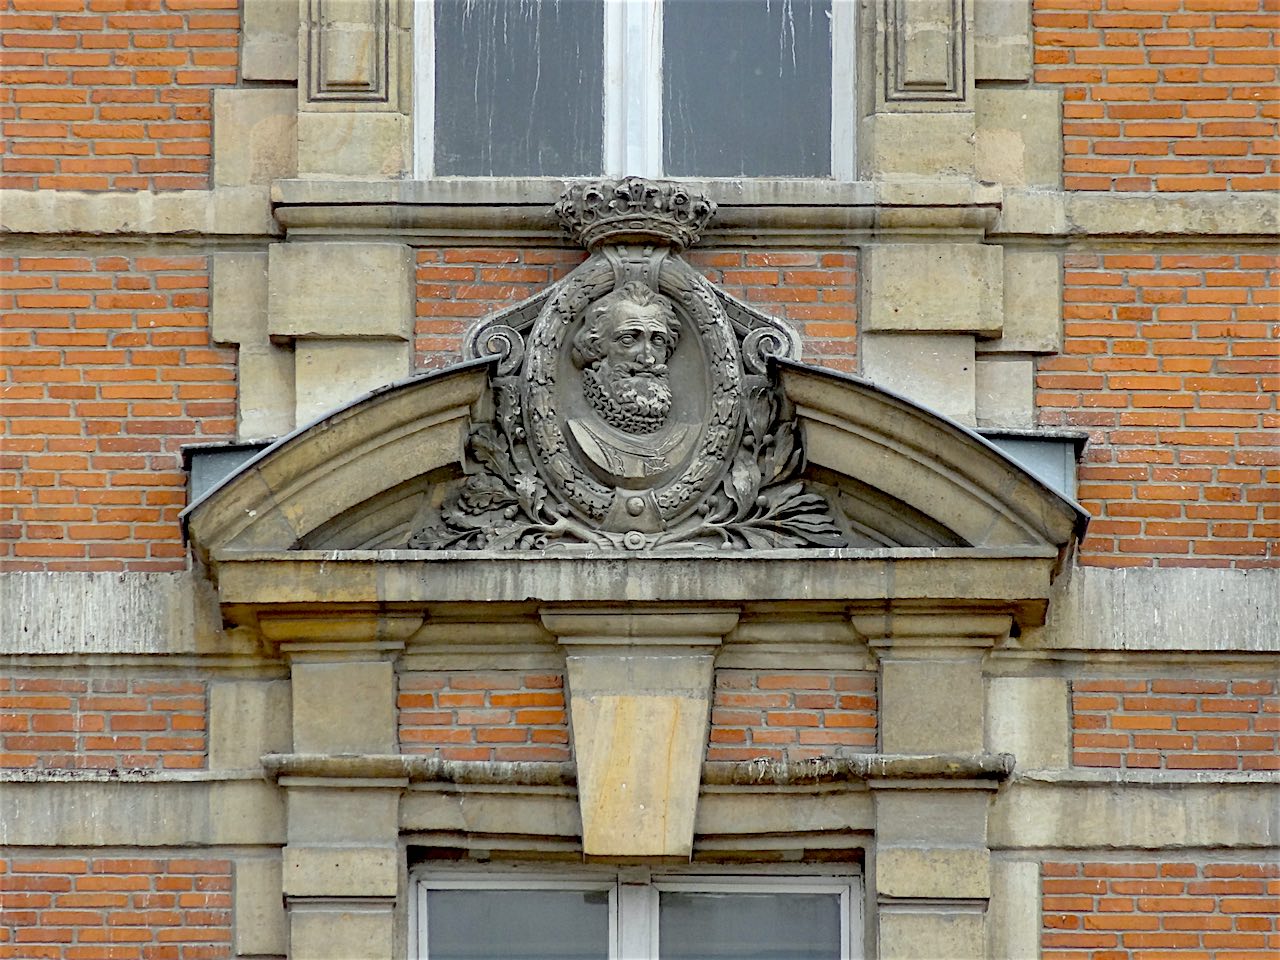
261,927
1030,717
931,706
365,145
1002,40
362,815
932,288
1019,136
330,373
342,931
326,290
1004,390
247,718
238,296
255,135
1013,919
344,707
926,818
917,145
333,871
270,40
934,370
931,933
933,872
267,398
1032,303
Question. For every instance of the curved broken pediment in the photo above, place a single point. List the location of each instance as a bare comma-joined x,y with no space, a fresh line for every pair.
632,407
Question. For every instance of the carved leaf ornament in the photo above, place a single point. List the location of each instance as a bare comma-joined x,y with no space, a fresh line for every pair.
633,406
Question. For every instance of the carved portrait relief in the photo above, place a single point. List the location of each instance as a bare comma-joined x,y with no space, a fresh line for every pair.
630,409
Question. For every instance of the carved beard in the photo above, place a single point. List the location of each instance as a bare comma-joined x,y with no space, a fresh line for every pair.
630,396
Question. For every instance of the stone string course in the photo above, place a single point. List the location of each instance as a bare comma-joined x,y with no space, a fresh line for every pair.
110,370
492,715
1172,363
107,95
1165,910
103,724
115,908
1176,724
791,716
1171,95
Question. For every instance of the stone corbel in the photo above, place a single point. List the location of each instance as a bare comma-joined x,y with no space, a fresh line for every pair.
639,700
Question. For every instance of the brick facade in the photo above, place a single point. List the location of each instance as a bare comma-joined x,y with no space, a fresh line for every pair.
103,724
115,908
791,716
1146,910
497,715
110,371
1170,362
107,95
1164,95
1192,724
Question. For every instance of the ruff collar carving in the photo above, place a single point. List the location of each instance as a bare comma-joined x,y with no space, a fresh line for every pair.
633,406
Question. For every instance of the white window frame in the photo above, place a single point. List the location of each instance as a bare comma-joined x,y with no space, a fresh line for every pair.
634,896
633,88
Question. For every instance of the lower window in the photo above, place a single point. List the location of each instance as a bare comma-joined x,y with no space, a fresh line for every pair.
633,914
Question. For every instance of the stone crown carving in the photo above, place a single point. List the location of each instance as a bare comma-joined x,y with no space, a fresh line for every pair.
634,210
633,404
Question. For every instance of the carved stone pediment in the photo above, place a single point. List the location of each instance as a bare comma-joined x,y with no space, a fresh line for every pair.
633,405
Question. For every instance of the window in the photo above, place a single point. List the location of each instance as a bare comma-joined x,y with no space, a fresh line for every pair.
683,88
634,915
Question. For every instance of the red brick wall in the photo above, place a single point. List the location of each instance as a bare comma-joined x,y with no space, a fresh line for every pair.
494,715
108,908
109,370
791,716
815,290
104,724
1176,724
1172,362
112,94
1163,94
1152,911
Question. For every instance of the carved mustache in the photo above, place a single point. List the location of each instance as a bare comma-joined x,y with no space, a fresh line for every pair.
639,368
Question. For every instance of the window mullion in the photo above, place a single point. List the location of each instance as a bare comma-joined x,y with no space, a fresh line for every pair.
637,916
633,87
844,104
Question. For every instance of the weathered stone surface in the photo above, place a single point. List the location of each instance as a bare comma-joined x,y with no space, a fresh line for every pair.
1032,303
923,817
247,719
1030,718
340,290
917,145
255,135
928,707
1004,391
1019,134
349,816
933,872
1002,41
936,370
911,932
346,707
261,927
342,930
334,871
270,41
1013,918
329,373
963,294
239,211
358,145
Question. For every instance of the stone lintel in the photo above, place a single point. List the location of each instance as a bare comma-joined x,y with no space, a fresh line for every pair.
946,633
639,683
338,634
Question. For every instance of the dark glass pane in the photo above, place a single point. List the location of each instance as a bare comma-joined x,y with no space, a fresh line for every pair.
517,925
746,88
749,926
519,87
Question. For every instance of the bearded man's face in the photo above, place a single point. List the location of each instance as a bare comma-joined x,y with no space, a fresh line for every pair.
631,378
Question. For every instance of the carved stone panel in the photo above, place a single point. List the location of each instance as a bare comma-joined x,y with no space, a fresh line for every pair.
633,404
349,51
926,57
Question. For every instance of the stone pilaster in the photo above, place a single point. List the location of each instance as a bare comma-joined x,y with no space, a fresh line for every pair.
931,875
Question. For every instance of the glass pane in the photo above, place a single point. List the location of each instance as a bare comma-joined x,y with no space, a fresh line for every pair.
746,88
749,926
517,925
519,87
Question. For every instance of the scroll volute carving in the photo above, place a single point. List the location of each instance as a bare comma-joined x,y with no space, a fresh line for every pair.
631,410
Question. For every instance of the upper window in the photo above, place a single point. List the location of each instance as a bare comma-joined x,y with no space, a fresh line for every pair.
632,915
680,88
